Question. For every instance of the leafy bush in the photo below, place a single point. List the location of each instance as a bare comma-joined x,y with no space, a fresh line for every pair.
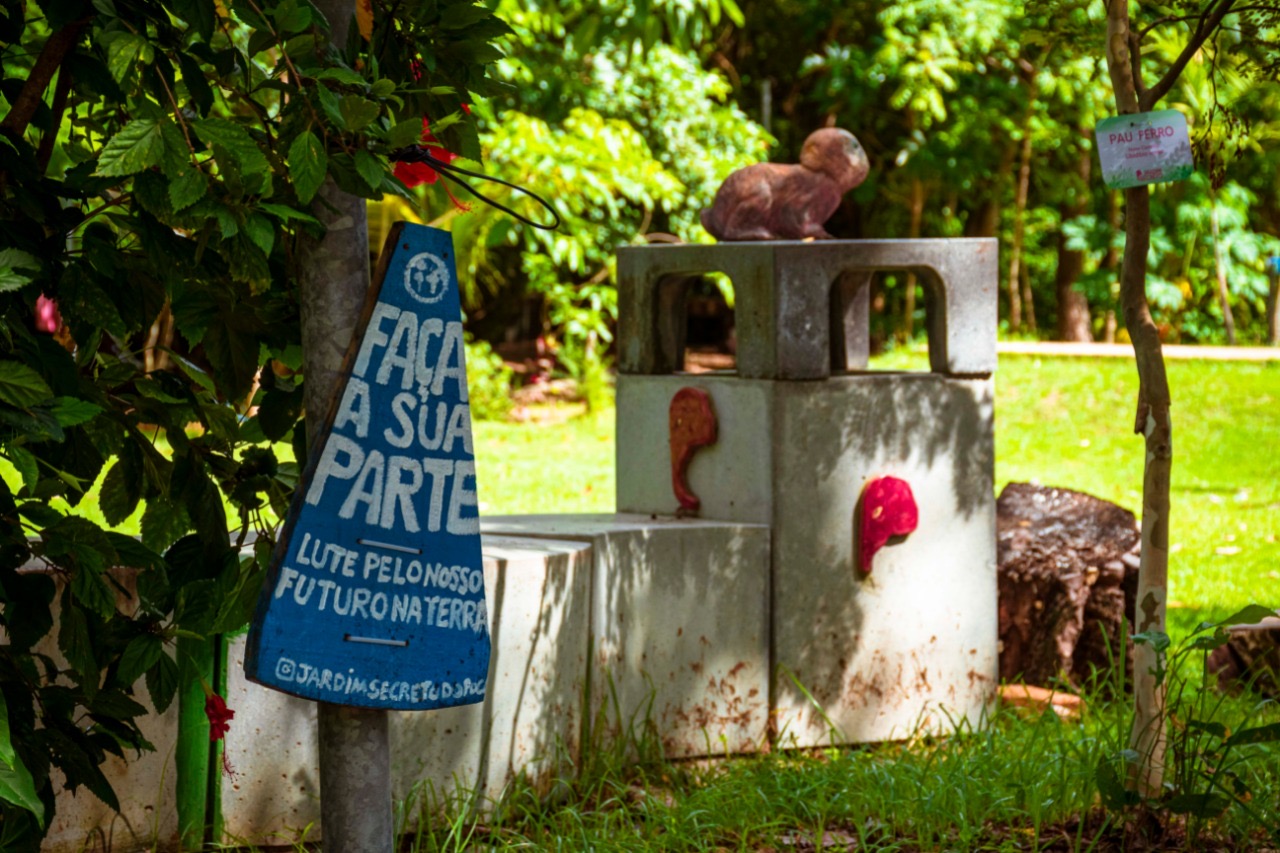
488,381
1209,751
164,182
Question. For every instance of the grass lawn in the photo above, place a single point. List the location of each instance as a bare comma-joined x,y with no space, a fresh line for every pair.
564,465
1020,784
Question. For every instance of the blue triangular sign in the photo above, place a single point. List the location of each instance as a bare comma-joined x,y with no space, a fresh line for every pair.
376,595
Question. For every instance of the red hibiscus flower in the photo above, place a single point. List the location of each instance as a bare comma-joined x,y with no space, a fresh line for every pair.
416,174
220,716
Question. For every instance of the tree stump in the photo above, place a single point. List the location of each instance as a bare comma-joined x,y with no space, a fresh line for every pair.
1067,565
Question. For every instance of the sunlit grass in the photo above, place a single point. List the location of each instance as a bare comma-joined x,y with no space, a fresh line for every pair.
564,465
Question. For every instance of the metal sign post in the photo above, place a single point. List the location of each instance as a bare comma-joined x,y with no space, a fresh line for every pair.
375,597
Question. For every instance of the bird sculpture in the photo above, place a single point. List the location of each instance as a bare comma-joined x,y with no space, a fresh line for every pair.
776,201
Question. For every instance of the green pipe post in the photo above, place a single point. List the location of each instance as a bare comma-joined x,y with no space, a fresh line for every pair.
196,666
213,813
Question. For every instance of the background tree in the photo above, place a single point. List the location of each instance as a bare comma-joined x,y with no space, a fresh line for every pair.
885,72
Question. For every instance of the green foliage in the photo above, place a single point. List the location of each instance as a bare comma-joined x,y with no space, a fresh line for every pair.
157,160
1213,747
489,382
624,144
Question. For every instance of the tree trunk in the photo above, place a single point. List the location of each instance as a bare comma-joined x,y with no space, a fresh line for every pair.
31,95
1273,311
1073,308
1220,267
1028,300
1111,263
917,213
1148,738
985,220
1020,211
1074,322
353,743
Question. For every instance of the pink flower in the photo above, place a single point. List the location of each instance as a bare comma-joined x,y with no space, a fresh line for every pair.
48,318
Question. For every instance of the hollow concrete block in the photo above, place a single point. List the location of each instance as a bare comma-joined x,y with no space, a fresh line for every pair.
538,599
680,629
794,299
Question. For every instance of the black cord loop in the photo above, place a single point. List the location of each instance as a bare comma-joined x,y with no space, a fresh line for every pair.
418,154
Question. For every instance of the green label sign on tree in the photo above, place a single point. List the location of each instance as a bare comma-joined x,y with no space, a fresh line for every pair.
1144,148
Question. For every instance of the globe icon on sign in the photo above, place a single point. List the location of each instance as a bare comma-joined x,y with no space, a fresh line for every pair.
426,277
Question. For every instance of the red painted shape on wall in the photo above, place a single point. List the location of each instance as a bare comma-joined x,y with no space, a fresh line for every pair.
691,425
886,509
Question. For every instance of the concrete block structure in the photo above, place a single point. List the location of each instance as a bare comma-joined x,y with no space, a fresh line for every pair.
745,623
802,308
679,629
854,657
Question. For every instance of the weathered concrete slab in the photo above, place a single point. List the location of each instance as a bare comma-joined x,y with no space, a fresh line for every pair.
531,721
880,654
538,598
784,308
679,627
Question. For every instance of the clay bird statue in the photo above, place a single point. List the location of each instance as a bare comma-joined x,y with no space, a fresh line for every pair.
775,201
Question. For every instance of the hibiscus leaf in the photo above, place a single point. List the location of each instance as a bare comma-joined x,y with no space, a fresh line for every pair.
370,169
162,682
142,653
249,158
405,133
308,164
139,145
20,386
